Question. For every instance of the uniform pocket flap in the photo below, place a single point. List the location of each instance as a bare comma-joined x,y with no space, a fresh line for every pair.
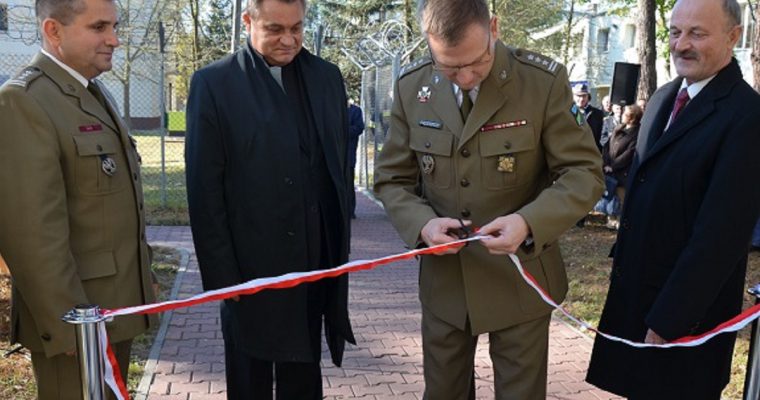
95,144
512,140
95,265
432,142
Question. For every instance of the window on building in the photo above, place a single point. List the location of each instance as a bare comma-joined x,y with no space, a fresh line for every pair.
630,36
3,17
603,40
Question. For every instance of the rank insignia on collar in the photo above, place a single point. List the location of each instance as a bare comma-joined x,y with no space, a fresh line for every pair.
108,165
423,96
428,164
506,163
577,115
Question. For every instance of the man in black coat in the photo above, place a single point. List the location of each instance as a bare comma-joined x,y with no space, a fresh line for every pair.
594,116
681,252
267,181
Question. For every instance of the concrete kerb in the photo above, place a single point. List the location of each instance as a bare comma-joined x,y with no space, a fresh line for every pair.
155,350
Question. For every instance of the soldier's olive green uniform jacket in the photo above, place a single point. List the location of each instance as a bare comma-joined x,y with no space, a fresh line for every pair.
70,233
521,151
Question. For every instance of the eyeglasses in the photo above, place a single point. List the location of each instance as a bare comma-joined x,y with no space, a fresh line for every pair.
451,71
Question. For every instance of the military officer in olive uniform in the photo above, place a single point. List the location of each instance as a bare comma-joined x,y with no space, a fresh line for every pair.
71,220
483,135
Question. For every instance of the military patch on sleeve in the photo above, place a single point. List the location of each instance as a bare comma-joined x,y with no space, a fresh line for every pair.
409,68
537,60
26,76
578,116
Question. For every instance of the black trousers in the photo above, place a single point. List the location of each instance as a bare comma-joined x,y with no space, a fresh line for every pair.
252,379
249,378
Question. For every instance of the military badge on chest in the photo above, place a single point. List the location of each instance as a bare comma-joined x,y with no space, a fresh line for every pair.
423,96
506,163
428,164
108,165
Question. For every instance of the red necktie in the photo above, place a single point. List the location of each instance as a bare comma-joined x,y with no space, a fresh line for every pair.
681,100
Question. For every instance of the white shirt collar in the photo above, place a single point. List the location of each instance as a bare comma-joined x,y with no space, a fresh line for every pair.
695,87
68,69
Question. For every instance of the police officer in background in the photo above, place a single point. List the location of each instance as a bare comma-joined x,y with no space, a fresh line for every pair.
487,136
72,229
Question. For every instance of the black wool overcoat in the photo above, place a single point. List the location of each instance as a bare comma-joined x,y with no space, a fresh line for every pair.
681,252
246,197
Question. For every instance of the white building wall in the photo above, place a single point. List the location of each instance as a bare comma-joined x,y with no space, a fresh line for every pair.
596,65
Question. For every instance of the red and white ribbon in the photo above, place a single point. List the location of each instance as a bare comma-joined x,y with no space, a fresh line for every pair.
115,381
111,373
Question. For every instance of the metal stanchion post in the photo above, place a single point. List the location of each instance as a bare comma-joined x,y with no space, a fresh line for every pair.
86,319
752,379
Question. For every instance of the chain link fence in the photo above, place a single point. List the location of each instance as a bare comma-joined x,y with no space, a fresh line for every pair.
139,93
136,91
376,100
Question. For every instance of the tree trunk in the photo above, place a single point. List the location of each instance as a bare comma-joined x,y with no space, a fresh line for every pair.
128,95
664,15
647,48
756,49
195,14
568,33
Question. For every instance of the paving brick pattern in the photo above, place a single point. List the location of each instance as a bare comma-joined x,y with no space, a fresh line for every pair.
386,363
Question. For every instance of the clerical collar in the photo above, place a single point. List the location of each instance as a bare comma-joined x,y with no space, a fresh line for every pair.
275,70
76,75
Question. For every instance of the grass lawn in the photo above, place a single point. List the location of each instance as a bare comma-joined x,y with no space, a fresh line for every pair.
165,204
588,269
16,377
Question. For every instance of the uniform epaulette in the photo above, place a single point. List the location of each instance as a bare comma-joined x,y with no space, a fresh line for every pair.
409,68
537,60
26,76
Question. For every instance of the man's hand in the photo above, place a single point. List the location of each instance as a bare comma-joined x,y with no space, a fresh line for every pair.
71,353
654,338
438,231
508,233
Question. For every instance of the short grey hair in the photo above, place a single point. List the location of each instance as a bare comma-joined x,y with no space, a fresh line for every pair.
733,12
449,19
253,6
63,11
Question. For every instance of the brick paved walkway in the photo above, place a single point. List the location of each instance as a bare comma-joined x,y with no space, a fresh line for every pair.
387,362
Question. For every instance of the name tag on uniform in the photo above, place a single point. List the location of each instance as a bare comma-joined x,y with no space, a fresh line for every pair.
503,125
431,124
91,128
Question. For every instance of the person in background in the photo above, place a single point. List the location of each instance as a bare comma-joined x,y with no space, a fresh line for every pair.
606,106
610,123
355,129
72,225
485,135
681,253
642,103
618,156
594,116
268,194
